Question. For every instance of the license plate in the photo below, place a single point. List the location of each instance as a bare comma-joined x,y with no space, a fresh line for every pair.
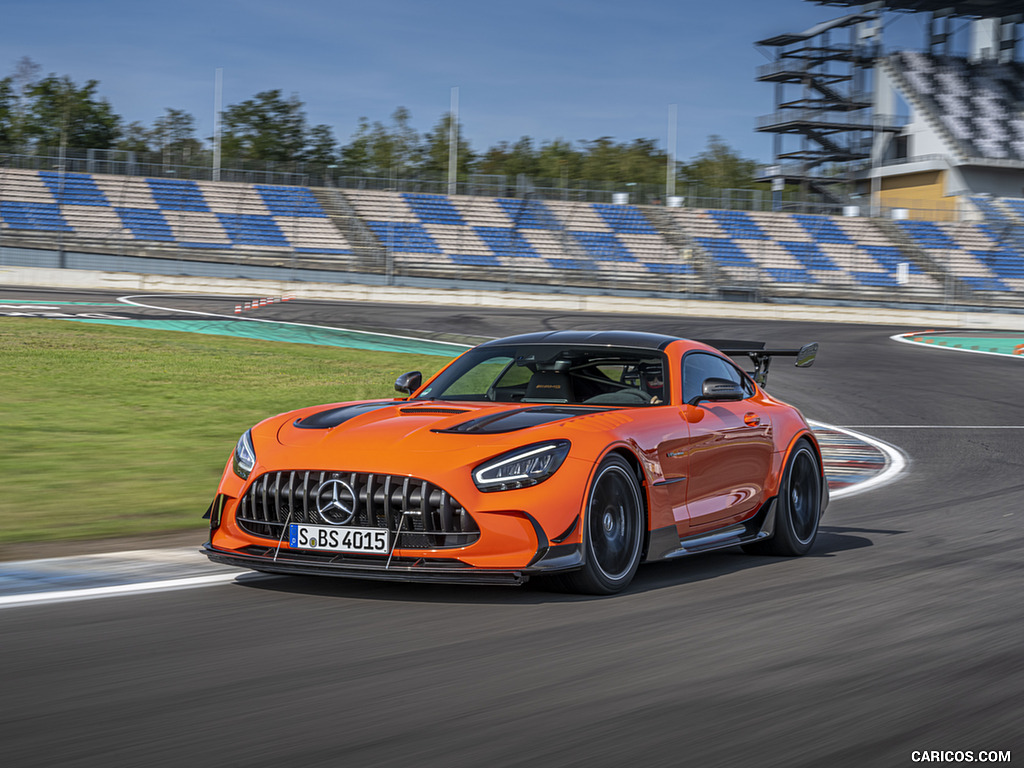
337,539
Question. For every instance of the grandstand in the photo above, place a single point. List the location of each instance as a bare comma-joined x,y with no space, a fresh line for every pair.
933,202
512,241
920,131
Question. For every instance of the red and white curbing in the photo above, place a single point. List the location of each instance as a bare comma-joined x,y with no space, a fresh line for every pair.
260,303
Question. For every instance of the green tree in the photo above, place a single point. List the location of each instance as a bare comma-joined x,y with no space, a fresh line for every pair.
6,113
355,156
174,135
559,161
26,74
266,127
322,146
63,114
436,144
600,158
380,150
641,161
720,167
406,146
135,137
384,150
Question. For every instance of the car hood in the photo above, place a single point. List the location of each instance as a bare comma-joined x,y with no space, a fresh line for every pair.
401,437
390,422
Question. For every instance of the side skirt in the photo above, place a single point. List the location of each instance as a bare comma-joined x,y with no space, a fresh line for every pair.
759,527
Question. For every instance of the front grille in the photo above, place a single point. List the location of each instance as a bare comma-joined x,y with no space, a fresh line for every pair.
428,516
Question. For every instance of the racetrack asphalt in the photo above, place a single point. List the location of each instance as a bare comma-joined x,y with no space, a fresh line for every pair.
899,632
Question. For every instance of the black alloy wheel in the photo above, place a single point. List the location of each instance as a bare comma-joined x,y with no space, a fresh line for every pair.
798,508
613,531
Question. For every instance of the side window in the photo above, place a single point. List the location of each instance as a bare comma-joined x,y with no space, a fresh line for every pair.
698,366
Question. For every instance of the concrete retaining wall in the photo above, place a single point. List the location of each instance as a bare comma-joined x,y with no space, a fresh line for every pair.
129,283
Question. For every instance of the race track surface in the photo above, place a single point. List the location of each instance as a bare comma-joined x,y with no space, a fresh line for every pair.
900,632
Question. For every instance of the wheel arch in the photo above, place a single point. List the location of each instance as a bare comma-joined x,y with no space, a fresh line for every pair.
806,435
631,458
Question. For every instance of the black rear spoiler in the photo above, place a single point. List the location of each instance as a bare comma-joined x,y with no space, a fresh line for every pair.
761,357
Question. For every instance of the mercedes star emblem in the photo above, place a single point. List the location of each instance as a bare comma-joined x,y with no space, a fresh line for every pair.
335,501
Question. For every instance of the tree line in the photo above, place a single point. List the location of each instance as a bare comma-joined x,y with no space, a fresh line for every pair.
45,114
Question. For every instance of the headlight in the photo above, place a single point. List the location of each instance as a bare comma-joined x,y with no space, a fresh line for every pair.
245,456
522,467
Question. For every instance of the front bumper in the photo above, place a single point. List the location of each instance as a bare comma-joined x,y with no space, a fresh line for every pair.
556,559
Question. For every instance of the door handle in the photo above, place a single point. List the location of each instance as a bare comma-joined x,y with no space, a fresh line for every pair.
751,419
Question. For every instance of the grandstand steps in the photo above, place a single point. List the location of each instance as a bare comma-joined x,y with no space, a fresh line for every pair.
1005,220
686,248
922,106
915,255
368,254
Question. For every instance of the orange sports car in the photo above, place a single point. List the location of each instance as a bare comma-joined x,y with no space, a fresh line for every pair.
575,455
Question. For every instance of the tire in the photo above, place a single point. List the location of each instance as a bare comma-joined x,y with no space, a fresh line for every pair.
798,509
615,521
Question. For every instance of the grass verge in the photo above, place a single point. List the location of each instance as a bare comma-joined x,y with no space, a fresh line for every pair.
108,431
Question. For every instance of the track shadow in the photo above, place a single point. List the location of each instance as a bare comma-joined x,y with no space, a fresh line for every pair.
694,569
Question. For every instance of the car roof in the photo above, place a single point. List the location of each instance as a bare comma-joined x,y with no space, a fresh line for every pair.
637,339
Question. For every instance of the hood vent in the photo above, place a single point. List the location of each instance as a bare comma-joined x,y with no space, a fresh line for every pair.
434,410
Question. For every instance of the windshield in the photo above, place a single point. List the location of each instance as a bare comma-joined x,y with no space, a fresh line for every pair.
540,373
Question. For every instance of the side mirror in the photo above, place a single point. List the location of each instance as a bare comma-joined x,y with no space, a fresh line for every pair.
805,357
719,391
409,382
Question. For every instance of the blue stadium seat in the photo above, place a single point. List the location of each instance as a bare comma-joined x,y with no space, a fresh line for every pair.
927,234
725,252
35,216
529,213
290,201
809,255
73,188
738,225
603,246
146,224
822,229
1005,264
177,195
249,229
404,237
506,242
1016,205
626,219
575,264
433,209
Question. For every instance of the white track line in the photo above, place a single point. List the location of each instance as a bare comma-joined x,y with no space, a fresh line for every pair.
896,464
902,337
93,593
129,300
895,460
937,426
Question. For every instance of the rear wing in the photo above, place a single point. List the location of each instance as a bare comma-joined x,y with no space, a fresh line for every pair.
761,357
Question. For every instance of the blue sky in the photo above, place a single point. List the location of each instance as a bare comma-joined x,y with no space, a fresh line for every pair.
569,69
